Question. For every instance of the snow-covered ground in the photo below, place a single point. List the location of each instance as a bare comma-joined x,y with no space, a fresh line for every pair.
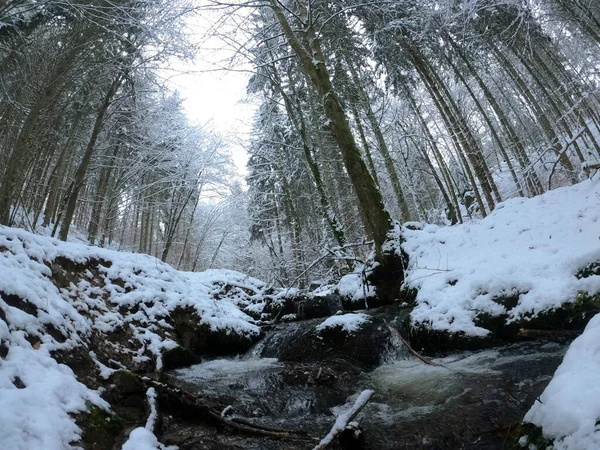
569,410
532,248
39,396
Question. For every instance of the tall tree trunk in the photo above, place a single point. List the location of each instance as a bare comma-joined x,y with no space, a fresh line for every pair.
87,157
376,219
381,143
533,182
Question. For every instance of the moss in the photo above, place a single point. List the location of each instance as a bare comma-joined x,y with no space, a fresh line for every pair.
570,316
589,270
534,435
127,382
100,428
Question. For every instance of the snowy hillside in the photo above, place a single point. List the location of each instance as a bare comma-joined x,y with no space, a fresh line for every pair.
56,297
569,409
531,250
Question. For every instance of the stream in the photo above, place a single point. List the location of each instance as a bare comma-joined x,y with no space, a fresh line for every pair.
470,400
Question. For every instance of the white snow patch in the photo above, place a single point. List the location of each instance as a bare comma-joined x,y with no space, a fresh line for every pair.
569,411
348,322
355,287
531,248
343,419
143,439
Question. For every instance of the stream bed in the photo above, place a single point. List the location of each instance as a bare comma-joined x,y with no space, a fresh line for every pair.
469,400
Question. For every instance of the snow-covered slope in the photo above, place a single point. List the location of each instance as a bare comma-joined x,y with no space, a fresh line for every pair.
569,410
530,248
55,295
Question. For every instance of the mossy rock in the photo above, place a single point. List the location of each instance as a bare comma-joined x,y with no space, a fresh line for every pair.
438,343
201,339
127,383
498,326
352,304
100,428
317,307
570,316
177,357
534,437
279,307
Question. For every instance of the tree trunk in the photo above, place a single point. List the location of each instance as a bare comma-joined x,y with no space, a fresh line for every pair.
376,219
87,157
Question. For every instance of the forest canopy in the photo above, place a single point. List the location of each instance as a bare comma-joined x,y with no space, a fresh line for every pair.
367,114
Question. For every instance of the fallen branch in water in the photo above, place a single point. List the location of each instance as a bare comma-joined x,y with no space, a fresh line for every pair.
417,354
344,419
413,351
192,407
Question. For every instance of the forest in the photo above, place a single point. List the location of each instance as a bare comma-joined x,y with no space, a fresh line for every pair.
421,188
402,110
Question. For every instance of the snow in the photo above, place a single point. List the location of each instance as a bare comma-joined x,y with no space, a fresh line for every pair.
354,287
532,248
40,397
143,439
347,322
569,411
36,416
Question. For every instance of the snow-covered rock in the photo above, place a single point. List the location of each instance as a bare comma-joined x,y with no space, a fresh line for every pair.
347,322
531,249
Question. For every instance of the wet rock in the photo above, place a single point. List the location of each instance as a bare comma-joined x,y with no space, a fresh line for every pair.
367,347
201,339
177,357
316,307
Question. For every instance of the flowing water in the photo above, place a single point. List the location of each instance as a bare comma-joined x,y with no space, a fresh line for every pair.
470,400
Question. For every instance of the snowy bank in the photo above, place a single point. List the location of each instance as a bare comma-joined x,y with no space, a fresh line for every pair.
527,250
57,298
569,411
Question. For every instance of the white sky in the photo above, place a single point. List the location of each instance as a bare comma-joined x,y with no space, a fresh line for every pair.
216,98
219,100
